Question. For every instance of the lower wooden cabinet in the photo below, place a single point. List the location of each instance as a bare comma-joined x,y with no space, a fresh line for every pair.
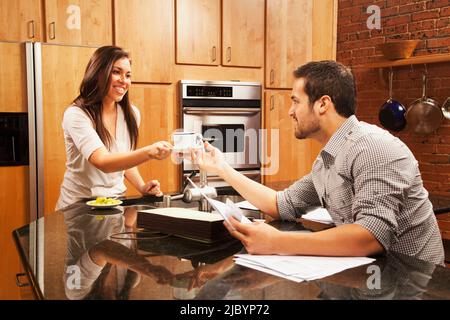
286,158
14,213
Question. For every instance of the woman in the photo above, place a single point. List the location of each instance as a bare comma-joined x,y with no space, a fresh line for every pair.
101,132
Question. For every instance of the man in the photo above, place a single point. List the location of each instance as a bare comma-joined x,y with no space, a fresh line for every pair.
367,179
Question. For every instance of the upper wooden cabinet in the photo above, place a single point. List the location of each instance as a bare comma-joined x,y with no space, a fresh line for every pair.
288,39
324,30
298,31
149,37
79,22
198,31
20,20
243,33
13,78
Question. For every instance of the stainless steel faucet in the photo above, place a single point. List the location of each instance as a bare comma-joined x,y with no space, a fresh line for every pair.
199,193
204,204
191,193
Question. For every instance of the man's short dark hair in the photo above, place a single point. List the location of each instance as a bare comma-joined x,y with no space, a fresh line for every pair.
330,78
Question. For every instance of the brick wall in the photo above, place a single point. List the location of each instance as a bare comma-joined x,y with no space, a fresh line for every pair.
428,21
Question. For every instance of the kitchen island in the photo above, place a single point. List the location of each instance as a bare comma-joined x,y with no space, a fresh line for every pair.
58,251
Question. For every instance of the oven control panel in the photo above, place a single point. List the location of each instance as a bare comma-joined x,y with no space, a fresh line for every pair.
206,91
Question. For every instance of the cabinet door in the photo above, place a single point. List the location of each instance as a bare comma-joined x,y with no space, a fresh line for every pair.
198,31
243,33
79,22
288,40
62,71
148,36
287,158
324,29
14,213
20,20
13,78
159,119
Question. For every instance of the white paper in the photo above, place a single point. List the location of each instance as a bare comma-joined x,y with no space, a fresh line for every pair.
318,215
262,269
300,267
246,205
227,210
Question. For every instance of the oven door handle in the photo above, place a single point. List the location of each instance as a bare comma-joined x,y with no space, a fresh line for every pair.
198,110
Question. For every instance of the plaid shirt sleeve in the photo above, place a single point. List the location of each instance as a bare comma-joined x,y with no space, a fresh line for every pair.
381,180
294,199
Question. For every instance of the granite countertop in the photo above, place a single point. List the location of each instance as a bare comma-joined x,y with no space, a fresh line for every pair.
58,253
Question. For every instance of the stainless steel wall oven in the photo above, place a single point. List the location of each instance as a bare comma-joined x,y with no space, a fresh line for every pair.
228,114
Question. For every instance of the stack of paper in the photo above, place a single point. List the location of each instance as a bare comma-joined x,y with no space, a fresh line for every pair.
318,215
300,268
193,224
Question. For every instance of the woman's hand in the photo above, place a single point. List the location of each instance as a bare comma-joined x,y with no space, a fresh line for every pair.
152,187
160,150
212,160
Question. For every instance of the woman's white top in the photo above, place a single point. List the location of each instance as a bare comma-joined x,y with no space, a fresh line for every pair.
82,179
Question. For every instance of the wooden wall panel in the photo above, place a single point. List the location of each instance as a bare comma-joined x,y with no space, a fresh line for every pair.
63,69
159,119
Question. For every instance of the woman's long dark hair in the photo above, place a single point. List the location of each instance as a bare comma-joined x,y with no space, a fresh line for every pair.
94,88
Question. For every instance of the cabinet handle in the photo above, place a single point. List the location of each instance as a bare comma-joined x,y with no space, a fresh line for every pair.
229,54
18,282
272,103
52,30
214,57
31,28
272,76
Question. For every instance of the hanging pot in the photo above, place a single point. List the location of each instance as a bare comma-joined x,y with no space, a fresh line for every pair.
446,109
424,116
392,112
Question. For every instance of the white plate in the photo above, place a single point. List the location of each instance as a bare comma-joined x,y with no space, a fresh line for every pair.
93,204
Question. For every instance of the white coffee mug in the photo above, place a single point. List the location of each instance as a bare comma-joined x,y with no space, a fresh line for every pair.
185,141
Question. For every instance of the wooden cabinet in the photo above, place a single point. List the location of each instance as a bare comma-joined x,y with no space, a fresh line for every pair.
324,29
159,119
199,25
14,214
145,28
79,22
59,89
287,158
288,39
243,33
13,78
198,32
20,20
298,31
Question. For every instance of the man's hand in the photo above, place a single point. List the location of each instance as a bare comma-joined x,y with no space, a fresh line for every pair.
257,237
212,160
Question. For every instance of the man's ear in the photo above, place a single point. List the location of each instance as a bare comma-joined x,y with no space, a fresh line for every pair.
325,104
